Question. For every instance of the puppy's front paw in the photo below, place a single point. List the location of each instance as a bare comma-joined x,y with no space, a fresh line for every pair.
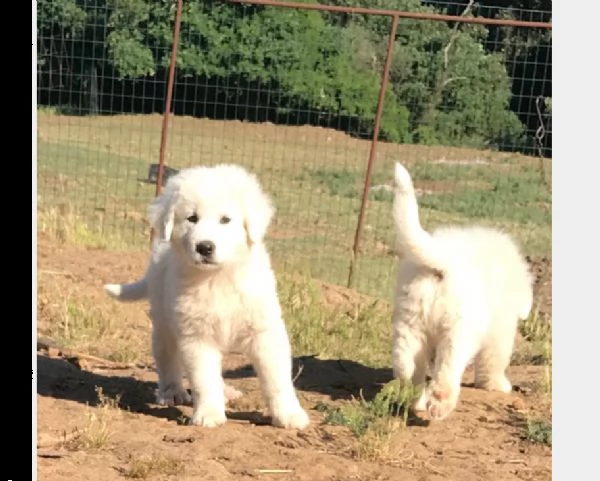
294,418
441,401
208,418
173,396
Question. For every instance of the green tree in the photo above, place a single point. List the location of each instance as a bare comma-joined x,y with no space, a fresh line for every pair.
446,84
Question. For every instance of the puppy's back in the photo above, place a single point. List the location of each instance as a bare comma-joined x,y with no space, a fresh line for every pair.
493,259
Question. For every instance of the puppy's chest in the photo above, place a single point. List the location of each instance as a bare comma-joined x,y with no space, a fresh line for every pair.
222,314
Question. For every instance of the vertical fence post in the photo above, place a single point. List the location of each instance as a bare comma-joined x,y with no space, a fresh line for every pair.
373,149
168,102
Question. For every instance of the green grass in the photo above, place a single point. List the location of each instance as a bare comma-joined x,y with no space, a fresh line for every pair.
360,415
376,422
91,168
537,348
361,327
536,331
487,194
539,431
75,321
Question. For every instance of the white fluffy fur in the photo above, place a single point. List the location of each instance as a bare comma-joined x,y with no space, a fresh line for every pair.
460,294
203,304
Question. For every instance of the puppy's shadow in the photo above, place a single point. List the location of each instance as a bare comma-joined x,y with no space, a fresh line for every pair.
335,378
59,379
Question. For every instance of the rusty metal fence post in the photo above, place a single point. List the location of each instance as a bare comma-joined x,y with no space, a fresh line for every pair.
169,96
373,148
168,101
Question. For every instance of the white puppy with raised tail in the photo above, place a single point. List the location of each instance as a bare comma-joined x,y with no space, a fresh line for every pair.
212,290
460,294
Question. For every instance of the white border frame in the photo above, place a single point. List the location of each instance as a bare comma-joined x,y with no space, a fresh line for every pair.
575,238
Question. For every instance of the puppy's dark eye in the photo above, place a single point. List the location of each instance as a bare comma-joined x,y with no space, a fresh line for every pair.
193,218
225,220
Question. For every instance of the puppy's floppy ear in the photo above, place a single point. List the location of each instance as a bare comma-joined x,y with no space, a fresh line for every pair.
259,212
161,213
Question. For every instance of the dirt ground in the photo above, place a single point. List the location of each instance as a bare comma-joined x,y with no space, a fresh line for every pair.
482,440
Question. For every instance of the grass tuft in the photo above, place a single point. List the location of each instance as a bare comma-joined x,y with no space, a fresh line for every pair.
152,465
375,422
539,431
536,345
96,434
360,415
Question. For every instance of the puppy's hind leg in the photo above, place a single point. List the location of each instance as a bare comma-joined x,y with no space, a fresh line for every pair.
453,353
410,360
169,367
409,357
271,357
492,361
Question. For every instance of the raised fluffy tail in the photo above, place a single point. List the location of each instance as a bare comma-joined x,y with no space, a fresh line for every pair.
413,242
128,292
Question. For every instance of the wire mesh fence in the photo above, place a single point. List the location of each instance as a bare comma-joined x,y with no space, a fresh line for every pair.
292,94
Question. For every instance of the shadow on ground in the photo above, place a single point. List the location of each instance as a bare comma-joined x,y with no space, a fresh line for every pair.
335,379
59,379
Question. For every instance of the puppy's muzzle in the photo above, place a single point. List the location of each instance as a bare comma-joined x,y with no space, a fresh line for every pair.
205,248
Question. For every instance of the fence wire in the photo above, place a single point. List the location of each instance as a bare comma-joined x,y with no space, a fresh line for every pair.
292,95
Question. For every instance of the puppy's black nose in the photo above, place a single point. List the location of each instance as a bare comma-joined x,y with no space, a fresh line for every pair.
205,248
